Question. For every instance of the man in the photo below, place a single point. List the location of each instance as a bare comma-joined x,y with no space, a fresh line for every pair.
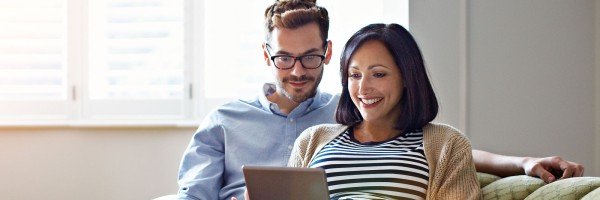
262,131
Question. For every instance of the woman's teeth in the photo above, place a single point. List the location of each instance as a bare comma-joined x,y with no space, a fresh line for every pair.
371,101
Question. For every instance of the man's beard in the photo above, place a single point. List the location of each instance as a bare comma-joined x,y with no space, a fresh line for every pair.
299,97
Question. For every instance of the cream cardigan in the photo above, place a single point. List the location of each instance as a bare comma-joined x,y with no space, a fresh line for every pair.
448,153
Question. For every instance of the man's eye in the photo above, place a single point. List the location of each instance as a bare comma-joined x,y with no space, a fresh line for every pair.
309,58
284,59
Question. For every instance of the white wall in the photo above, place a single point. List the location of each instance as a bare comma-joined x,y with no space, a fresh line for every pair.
529,68
529,65
90,163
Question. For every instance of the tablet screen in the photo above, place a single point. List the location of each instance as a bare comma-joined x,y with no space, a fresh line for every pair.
265,183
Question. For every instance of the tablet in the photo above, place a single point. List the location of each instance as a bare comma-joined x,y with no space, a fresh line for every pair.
266,183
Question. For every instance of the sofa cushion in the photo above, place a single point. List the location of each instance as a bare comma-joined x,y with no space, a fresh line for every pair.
571,188
485,179
513,187
592,195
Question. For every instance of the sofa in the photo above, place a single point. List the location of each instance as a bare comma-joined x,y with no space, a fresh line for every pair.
528,188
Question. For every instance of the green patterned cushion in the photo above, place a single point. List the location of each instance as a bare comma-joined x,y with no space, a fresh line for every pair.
571,188
513,187
594,195
485,179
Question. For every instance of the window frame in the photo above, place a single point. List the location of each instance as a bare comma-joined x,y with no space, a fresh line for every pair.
77,110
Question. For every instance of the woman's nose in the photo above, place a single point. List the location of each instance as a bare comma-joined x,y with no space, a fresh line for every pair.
364,86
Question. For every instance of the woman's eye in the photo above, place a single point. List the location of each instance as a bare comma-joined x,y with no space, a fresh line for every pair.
379,75
354,76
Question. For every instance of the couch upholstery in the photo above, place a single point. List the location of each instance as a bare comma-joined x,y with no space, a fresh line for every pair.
530,188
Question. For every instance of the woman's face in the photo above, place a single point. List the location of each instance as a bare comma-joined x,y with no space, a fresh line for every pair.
375,83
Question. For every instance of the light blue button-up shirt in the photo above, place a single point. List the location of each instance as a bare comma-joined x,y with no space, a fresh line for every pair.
245,132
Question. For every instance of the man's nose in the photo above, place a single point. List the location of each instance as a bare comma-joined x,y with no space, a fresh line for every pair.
298,69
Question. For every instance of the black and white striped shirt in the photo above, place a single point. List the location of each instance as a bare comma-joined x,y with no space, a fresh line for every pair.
394,169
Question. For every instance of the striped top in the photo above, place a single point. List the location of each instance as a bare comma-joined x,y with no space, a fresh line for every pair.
394,169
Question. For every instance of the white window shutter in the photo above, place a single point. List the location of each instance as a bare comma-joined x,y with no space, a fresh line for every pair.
136,59
33,68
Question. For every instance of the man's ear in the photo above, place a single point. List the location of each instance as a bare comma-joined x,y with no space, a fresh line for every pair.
266,54
328,53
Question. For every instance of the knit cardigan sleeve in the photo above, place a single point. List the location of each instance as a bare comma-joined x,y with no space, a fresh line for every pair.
300,147
311,141
452,170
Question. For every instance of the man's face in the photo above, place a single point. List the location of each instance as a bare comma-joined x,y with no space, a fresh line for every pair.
297,83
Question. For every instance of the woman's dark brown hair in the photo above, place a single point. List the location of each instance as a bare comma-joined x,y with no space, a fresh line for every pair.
419,105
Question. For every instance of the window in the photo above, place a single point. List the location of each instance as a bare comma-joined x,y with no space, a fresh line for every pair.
33,69
245,35
122,60
136,57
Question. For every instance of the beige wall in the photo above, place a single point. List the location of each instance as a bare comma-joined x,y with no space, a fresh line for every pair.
435,25
529,69
597,104
532,78
90,163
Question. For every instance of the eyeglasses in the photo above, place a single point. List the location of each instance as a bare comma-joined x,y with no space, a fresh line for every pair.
288,62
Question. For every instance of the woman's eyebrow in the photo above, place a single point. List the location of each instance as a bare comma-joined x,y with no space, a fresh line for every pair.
370,67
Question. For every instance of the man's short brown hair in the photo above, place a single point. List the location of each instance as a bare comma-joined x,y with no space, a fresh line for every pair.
292,14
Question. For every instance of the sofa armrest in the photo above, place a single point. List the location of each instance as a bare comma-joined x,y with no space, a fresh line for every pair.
530,188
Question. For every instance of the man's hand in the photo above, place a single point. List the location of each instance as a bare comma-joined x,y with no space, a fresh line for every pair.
549,168
245,196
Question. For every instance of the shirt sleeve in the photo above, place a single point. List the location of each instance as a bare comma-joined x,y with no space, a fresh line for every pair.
202,165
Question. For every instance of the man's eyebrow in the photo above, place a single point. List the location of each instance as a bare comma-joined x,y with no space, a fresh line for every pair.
310,51
283,52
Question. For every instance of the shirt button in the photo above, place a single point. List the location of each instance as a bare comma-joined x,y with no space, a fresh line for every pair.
290,147
291,119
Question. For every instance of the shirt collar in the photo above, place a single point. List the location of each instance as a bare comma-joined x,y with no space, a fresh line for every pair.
268,89
308,105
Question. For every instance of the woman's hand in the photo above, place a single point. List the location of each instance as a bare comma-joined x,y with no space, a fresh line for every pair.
549,168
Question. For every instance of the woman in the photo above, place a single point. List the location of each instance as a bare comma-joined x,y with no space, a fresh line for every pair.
385,146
